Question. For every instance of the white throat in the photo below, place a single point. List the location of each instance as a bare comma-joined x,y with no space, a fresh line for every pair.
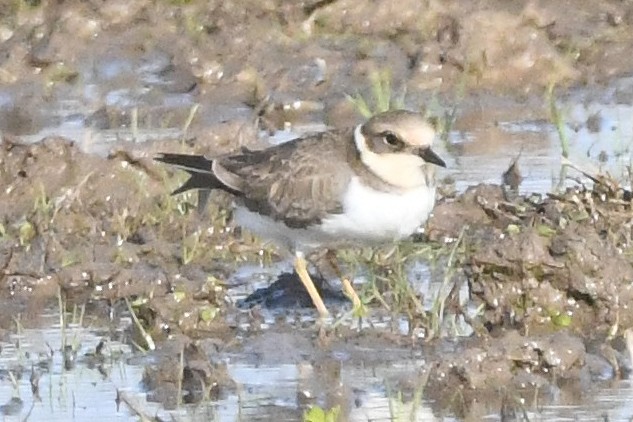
398,169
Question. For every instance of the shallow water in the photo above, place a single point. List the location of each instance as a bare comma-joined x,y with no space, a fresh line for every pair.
599,132
354,379
83,390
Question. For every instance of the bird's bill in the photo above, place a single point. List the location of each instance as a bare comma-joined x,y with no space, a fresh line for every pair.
428,155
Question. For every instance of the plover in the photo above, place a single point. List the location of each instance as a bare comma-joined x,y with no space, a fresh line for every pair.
371,184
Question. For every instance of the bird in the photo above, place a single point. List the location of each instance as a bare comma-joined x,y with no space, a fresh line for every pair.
366,185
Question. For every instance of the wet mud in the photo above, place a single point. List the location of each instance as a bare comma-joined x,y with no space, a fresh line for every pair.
527,293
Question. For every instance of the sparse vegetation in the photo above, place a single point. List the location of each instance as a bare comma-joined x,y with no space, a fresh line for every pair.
382,98
558,120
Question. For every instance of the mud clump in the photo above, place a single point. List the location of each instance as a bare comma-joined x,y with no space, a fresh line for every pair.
553,277
183,373
510,365
561,260
90,228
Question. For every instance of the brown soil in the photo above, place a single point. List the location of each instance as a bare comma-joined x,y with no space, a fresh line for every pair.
552,274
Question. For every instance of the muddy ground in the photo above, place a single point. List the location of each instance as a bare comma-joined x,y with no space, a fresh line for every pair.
549,276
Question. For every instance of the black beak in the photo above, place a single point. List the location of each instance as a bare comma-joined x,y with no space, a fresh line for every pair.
430,156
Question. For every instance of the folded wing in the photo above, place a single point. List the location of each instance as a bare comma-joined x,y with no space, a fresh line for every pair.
299,182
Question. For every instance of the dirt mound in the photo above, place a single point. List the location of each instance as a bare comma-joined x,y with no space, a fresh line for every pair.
563,260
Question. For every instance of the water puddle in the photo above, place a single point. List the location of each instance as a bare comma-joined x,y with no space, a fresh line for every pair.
369,383
597,127
80,384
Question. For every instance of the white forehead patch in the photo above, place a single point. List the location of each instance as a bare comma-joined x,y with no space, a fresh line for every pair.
411,128
416,133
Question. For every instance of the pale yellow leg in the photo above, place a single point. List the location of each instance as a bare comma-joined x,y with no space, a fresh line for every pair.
351,293
348,289
302,271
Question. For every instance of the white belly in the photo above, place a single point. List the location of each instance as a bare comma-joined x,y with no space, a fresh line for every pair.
369,216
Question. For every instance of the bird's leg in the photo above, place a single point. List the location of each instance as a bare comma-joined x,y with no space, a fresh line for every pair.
301,268
348,289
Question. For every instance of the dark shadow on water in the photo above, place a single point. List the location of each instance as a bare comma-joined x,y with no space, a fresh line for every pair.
288,292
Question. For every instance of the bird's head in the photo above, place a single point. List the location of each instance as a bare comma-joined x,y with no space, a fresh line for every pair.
396,146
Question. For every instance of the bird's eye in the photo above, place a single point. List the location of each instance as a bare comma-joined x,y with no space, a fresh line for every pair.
391,139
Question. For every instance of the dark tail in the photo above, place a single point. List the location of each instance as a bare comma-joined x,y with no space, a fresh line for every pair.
198,167
201,175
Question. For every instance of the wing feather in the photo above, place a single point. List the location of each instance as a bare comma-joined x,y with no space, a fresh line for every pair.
291,182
